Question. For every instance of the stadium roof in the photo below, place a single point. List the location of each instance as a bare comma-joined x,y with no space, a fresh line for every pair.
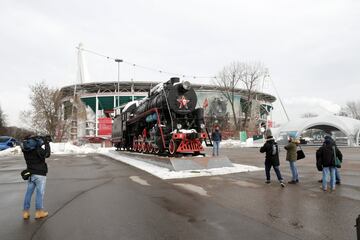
145,86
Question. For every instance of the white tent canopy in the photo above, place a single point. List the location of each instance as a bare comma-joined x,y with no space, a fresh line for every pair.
348,126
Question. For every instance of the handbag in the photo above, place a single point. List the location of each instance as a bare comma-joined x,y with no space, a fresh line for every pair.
337,160
300,154
25,174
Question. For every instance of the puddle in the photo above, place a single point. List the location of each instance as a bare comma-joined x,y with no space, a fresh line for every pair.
193,188
139,180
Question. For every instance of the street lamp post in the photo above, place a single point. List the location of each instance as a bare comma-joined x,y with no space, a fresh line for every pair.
118,84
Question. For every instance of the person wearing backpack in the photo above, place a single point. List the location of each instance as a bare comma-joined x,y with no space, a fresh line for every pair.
337,169
325,156
291,156
271,150
35,150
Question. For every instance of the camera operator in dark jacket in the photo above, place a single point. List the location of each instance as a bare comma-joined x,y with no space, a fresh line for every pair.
271,150
35,150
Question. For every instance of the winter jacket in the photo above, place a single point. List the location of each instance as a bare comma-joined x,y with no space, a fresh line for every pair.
291,151
216,135
268,148
325,155
35,160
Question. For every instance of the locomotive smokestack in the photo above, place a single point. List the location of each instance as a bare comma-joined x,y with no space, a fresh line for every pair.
174,80
186,85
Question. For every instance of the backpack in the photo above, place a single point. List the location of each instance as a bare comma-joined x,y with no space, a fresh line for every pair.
274,149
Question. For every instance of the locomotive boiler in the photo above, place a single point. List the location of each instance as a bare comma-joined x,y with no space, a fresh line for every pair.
167,121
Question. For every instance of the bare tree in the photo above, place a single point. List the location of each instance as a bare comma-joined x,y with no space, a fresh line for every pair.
353,109
2,122
17,133
246,76
229,78
252,74
45,115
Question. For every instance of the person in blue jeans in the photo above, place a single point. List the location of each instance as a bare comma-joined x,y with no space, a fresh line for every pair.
216,138
291,156
36,182
325,157
339,155
271,150
35,150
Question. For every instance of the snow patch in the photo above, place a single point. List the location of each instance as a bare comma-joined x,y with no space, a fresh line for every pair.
68,148
139,180
165,173
11,152
193,188
229,143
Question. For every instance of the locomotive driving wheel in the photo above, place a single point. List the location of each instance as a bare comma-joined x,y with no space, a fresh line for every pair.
140,144
156,149
172,147
145,147
150,147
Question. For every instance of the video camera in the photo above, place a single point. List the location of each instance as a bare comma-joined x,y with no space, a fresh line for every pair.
44,138
33,142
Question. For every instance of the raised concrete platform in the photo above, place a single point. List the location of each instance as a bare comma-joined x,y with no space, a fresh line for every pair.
181,163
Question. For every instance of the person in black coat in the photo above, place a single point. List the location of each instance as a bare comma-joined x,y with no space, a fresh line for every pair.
325,161
271,150
337,170
216,138
35,150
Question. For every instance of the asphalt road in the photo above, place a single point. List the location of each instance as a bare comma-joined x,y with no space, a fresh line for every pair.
94,197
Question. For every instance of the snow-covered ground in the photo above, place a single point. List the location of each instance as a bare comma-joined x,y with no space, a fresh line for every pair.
11,151
60,148
229,143
163,173
68,148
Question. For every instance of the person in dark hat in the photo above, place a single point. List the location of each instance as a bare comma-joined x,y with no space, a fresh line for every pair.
271,150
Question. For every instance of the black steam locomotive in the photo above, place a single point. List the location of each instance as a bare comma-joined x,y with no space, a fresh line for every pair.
167,121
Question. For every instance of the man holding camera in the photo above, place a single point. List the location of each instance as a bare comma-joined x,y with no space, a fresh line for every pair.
35,150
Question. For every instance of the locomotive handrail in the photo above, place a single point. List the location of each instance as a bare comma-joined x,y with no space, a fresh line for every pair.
160,128
168,107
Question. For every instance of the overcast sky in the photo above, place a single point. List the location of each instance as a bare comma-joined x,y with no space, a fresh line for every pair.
310,47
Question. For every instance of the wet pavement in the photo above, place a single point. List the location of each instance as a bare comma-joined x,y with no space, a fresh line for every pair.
95,197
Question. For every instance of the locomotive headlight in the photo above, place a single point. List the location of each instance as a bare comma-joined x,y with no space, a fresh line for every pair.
179,126
202,126
186,85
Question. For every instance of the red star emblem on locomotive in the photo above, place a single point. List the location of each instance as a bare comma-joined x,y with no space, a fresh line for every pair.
183,102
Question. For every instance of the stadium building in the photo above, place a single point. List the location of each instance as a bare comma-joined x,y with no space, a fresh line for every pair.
89,107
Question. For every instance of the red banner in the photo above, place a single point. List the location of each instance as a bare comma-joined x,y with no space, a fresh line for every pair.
105,126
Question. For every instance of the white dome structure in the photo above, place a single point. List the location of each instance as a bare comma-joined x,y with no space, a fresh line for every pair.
329,123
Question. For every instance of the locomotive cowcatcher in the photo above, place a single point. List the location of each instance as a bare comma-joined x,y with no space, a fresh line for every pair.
165,122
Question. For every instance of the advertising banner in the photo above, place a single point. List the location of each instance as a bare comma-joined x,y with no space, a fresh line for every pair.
104,126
